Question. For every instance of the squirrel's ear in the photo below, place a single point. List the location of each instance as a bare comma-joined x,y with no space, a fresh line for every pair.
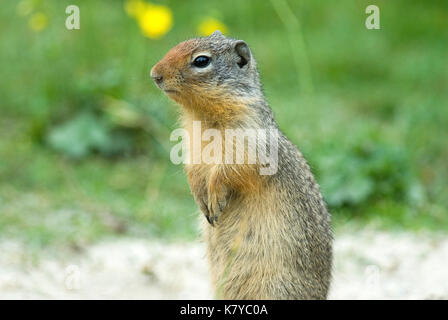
243,51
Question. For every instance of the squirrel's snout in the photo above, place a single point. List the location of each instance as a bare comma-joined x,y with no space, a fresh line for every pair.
158,78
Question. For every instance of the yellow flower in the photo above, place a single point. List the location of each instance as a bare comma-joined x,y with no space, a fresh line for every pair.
134,8
155,20
210,25
38,21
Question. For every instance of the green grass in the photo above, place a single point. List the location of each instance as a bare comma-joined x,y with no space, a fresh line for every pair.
371,116
45,197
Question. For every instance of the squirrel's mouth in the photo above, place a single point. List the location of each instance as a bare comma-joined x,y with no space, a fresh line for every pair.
170,91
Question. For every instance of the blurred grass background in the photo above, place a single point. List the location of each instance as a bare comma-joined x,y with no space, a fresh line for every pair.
84,133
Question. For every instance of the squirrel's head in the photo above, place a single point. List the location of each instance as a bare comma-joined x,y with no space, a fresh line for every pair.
213,75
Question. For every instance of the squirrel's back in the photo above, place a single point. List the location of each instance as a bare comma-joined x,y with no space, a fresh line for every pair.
275,243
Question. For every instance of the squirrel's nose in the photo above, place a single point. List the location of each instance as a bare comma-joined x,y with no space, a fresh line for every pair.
158,78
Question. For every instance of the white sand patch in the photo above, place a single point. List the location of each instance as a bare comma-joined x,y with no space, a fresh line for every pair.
368,265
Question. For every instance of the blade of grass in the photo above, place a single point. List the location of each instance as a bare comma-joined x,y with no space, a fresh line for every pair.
297,43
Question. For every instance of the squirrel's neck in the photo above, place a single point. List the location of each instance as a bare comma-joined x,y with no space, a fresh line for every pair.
225,113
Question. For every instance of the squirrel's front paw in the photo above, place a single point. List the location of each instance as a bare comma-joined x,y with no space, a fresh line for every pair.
202,202
211,206
218,198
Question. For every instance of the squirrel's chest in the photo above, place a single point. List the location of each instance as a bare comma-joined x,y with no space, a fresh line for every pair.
204,148
204,145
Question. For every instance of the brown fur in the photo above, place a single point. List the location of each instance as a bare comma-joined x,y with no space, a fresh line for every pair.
268,237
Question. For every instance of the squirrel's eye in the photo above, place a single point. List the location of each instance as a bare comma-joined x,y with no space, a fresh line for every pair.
201,61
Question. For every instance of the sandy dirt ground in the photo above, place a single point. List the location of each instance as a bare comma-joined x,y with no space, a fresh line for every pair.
368,265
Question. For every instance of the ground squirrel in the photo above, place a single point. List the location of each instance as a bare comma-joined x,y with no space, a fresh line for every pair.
267,236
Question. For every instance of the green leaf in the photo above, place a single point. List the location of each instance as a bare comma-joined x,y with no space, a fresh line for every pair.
80,136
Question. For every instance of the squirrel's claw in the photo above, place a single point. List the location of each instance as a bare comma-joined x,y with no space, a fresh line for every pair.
216,205
204,208
212,203
210,220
